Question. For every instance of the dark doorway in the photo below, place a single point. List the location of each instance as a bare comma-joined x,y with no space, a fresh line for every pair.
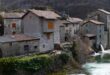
1,26
1,55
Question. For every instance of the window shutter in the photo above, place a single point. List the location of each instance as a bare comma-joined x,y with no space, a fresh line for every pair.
13,25
50,25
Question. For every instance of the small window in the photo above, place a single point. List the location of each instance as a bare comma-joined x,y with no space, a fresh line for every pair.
100,36
48,35
26,47
105,28
10,44
13,25
100,31
43,46
13,32
35,47
66,25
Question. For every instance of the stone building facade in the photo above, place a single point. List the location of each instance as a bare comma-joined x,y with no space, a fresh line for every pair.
18,44
43,24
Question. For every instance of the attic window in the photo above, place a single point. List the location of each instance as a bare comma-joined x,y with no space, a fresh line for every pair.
50,25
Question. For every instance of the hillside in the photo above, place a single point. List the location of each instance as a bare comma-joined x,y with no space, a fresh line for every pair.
76,8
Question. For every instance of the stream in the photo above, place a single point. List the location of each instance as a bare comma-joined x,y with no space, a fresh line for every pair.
101,64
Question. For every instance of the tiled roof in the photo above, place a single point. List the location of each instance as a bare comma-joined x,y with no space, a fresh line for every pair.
92,21
90,35
96,22
102,10
64,21
16,37
11,15
45,14
74,20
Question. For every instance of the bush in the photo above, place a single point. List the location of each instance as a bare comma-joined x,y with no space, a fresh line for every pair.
8,66
35,63
31,64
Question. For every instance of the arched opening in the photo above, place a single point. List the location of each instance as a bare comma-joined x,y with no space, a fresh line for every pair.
1,55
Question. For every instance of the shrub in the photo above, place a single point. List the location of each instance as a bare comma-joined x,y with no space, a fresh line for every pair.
34,63
8,66
31,64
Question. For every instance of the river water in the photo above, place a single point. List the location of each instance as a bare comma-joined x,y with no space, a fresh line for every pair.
100,66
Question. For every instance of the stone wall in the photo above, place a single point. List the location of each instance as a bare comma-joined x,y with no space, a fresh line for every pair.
17,48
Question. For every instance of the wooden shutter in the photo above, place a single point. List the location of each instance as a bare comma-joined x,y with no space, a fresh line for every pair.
50,25
13,25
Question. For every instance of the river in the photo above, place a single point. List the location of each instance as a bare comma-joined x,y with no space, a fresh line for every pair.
100,66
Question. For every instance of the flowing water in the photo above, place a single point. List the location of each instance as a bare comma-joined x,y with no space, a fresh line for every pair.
101,64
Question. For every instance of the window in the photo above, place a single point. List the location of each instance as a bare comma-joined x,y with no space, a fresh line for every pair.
43,46
13,32
26,47
66,25
13,25
48,35
100,36
100,30
50,25
10,44
105,28
98,17
35,47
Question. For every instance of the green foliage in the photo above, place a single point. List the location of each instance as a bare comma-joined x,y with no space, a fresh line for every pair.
8,66
34,63
31,64
64,58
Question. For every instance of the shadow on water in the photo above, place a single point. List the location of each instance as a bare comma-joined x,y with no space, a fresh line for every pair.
104,59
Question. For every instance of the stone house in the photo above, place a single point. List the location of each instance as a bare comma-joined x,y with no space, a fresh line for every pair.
12,22
43,24
94,30
62,30
72,26
18,44
103,16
